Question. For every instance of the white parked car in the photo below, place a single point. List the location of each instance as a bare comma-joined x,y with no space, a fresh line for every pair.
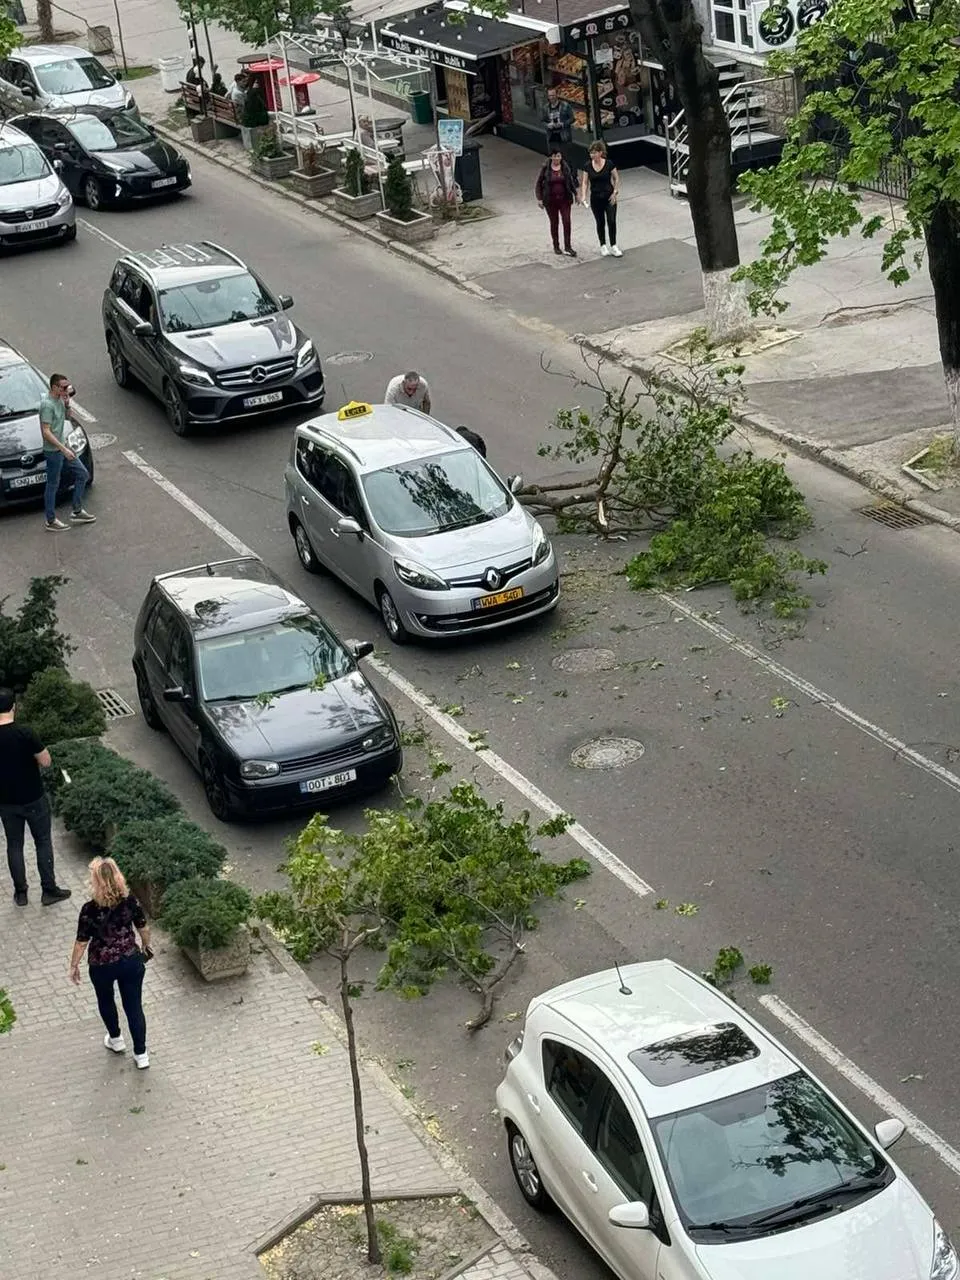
685,1143
63,75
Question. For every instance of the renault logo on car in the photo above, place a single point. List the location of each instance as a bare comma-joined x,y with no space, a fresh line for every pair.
492,578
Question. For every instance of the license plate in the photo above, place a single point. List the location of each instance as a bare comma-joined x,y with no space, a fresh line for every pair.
499,597
269,397
24,482
34,226
163,182
328,783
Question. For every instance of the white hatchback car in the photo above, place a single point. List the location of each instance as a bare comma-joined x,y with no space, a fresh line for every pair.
685,1143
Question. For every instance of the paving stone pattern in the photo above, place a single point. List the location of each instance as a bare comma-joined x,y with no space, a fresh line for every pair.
497,1263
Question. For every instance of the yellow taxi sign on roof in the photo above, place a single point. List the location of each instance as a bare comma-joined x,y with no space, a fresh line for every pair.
355,409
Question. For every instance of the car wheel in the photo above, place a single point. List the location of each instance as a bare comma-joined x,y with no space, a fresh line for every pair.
525,1170
93,193
390,614
305,551
148,707
176,410
215,790
118,362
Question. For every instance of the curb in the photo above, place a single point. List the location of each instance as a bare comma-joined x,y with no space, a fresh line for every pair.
416,256
491,1212
815,450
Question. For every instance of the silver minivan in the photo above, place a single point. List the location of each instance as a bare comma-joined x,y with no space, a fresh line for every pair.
64,75
411,517
35,206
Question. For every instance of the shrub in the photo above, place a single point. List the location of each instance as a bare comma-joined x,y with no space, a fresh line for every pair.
77,757
161,851
205,913
355,181
311,160
107,791
398,191
56,707
269,146
29,639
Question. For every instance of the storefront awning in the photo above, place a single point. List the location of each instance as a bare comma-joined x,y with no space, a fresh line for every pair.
459,45
380,11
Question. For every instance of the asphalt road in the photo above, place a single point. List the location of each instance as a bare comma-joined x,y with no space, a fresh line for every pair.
801,834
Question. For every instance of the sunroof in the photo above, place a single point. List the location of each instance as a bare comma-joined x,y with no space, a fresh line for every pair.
694,1054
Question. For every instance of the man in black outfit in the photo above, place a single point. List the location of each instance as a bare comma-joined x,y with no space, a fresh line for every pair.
24,803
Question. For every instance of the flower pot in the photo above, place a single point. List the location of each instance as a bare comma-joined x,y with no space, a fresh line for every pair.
214,963
357,207
314,185
419,227
274,167
250,137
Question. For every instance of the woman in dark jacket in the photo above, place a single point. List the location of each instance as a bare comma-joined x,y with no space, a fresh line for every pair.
556,191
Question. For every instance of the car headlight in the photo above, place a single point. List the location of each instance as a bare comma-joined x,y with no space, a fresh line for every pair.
77,439
306,353
414,575
129,102
192,373
945,1264
64,198
541,544
382,736
259,769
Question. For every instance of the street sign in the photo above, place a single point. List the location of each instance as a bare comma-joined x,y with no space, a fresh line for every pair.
450,134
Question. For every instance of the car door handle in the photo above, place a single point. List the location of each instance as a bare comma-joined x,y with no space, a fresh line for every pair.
589,1179
305,501
335,532
532,1099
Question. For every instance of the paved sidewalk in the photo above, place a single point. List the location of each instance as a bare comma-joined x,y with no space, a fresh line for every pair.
176,1172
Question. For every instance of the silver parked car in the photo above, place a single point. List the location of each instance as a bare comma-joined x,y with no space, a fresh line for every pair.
415,521
63,75
34,203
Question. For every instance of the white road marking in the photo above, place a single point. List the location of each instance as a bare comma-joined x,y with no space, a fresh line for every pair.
587,842
811,691
88,226
866,1084
81,412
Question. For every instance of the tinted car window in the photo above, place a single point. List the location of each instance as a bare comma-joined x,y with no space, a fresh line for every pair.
310,462
278,658
21,389
620,1151
159,631
337,485
180,663
136,294
695,1054
571,1079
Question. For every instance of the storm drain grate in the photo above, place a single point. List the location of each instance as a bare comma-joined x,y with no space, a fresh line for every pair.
113,705
892,515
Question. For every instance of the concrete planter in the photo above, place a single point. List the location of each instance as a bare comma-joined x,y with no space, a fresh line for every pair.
203,128
314,185
222,962
357,207
250,137
274,167
419,228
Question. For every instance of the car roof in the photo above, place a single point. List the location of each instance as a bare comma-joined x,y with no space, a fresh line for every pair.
385,436
11,136
178,264
49,52
227,596
10,356
66,114
648,1003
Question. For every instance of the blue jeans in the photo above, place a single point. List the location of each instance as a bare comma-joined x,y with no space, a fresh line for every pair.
128,976
56,464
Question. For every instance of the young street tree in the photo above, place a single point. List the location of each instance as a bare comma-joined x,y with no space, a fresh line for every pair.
877,108
254,21
444,886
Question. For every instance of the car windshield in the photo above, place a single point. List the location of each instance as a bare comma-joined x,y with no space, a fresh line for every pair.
72,75
22,164
21,390
110,133
737,1162
435,495
210,303
291,654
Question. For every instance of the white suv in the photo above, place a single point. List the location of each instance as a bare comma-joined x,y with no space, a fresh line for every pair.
685,1143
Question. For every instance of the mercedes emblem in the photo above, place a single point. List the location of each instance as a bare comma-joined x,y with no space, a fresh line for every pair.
492,578
258,373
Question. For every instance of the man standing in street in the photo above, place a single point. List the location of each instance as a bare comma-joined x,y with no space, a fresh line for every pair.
557,115
24,803
409,390
54,413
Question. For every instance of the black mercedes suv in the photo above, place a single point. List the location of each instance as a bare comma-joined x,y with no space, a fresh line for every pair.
195,325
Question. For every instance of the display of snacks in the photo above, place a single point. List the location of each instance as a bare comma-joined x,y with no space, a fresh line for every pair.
573,93
569,65
580,121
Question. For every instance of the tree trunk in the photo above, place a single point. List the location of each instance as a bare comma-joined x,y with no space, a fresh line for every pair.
45,20
943,252
673,33
373,1243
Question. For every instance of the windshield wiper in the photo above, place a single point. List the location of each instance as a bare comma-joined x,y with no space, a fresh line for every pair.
481,518
824,1199
725,1227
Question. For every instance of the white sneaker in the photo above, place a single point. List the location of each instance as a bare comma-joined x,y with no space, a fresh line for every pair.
604,250
616,251
114,1043
142,1060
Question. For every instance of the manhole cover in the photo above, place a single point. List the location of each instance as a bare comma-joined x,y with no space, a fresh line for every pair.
579,661
101,440
350,357
115,708
892,515
603,291
607,753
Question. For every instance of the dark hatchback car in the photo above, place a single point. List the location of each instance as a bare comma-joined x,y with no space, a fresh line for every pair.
195,325
106,156
258,693
23,472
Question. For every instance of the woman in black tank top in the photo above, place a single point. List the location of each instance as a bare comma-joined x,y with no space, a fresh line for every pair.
602,180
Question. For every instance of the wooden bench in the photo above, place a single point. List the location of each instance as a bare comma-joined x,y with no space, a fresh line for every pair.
225,118
192,99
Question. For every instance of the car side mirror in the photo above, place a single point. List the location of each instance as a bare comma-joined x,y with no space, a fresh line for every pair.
361,648
286,302
347,524
27,90
60,146
175,694
515,483
889,1131
143,329
634,1215
58,166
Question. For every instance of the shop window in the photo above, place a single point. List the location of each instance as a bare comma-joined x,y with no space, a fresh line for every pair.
623,85
567,73
526,84
733,23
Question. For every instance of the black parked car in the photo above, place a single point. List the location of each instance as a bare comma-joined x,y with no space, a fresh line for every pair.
199,330
23,472
107,156
258,693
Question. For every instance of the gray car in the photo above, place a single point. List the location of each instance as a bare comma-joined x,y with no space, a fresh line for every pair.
415,521
63,75
34,204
